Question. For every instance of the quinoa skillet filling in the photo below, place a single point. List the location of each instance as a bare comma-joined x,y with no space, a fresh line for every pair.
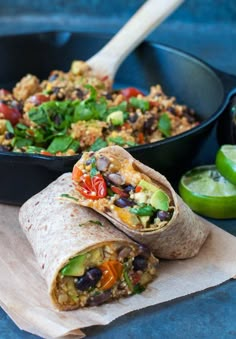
106,272
106,184
75,111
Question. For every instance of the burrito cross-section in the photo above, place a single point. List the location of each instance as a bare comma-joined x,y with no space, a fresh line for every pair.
84,259
139,201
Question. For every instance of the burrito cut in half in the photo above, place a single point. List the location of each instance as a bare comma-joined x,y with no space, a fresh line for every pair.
84,259
139,201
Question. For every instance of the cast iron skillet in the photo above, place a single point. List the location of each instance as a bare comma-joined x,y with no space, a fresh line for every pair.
190,80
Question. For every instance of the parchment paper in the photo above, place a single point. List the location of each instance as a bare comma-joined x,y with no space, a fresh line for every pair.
23,293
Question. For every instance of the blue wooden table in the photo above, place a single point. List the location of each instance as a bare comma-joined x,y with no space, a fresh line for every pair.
207,314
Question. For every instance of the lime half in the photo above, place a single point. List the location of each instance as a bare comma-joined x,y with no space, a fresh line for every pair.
208,193
226,162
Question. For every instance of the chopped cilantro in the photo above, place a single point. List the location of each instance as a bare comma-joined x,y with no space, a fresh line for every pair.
140,103
95,222
68,197
164,125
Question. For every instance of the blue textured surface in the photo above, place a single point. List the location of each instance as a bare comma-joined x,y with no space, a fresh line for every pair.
206,29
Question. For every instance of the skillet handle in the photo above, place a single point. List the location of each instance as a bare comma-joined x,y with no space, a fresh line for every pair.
226,127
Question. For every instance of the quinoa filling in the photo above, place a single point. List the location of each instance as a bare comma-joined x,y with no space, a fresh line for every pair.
108,272
103,183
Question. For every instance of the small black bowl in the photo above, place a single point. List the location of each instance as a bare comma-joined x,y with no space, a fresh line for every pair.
192,82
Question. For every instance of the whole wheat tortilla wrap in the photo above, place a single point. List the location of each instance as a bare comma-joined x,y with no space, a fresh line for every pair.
139,201
84,259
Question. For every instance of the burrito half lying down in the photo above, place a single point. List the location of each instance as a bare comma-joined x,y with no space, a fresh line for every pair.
139,201
83,258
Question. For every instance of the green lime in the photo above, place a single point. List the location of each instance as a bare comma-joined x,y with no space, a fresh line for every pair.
226,162
208,193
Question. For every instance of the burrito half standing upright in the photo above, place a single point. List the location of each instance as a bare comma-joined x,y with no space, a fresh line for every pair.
139,201
84,259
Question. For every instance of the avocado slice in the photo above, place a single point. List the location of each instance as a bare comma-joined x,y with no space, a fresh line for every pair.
95,257
147,186
75,267
160,200
116,118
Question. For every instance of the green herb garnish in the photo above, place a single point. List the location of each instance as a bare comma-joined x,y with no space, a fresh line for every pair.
68,197
127,279
137,289
164,125
144,105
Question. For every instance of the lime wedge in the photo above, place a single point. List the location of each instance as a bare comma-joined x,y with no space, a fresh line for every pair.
208,193
226,162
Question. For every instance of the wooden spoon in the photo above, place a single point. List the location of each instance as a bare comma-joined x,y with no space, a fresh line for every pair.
149,16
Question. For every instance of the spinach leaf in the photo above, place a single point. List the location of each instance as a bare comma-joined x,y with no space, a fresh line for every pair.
143,210
9,127
60,144
21,142
75,145
98,144
117,140
34,149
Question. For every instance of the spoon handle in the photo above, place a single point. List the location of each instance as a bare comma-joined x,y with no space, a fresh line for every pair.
148,17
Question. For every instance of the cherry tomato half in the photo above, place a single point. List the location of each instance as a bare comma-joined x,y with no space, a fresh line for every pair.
130,92
10,113
38,99
92,188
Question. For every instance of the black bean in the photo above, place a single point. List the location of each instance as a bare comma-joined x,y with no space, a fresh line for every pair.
163,215
108,96
53,77
124,202
99,299
140,263
144,251
116,179
171,110
4,148
17,104
102,163
109,184
129,188
9,135
89,279
79,93
57,120
149,126
59,92
133,117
